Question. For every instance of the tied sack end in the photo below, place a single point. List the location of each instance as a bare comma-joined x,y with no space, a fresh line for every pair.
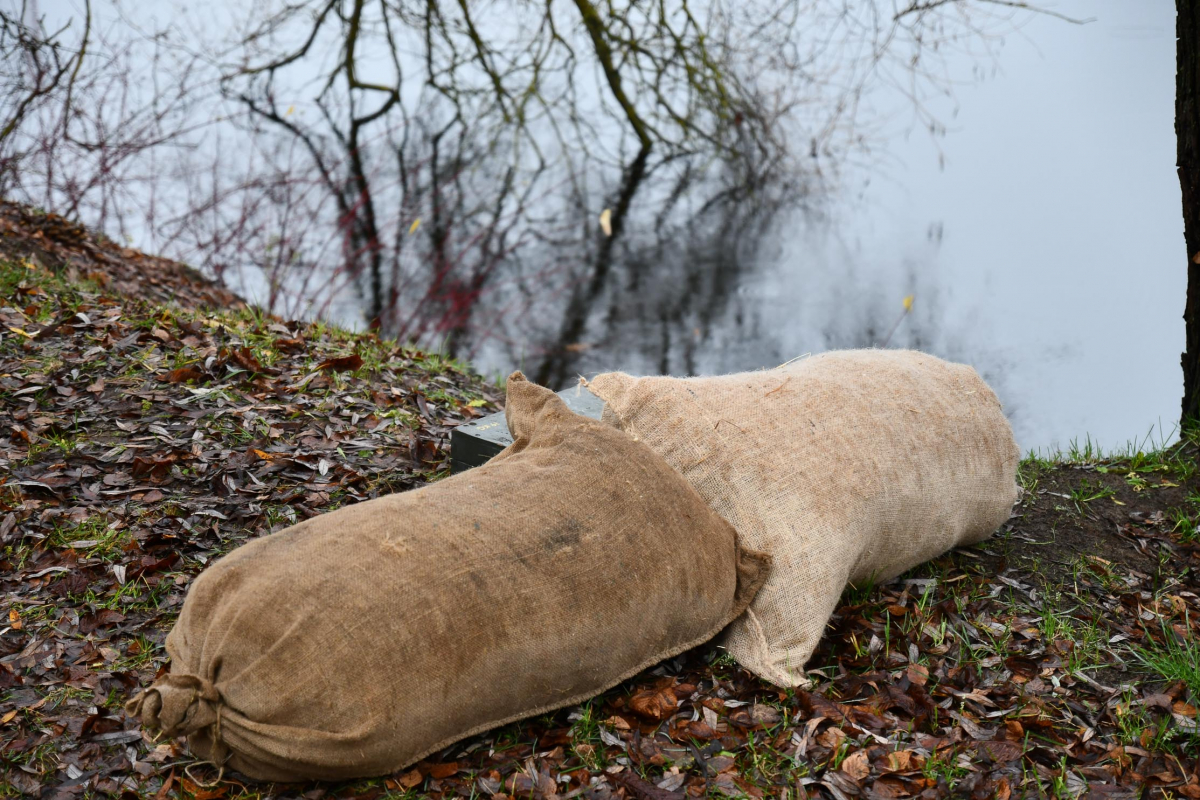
361,641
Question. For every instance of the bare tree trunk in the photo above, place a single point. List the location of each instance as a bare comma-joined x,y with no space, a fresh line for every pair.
365,238
1187,132
556,369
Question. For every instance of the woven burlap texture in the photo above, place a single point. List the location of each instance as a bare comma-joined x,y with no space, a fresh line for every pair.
846,467
360,641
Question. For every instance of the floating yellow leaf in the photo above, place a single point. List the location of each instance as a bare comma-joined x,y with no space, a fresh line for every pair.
908,303
291,110
606,221
413,228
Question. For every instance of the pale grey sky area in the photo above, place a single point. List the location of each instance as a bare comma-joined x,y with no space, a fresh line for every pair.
1060,271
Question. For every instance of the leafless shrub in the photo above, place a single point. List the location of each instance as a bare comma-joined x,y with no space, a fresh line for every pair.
523,180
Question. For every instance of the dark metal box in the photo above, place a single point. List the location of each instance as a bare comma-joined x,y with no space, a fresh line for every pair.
476,442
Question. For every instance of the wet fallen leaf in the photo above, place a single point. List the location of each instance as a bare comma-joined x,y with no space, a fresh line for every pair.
244,358
183,374
342,363
918,674
291,345
643,790
197,791
1001,751
653,704
899,760
857,765
410,779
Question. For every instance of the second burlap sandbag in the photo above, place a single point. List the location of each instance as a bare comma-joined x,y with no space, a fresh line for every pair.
358,642
848,466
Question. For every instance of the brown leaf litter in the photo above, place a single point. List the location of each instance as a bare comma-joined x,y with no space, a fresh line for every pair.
140,441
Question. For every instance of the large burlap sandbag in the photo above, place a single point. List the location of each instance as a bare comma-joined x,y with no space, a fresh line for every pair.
358,642
846,466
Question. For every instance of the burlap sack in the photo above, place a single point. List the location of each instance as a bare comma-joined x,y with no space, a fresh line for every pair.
845,467
358,642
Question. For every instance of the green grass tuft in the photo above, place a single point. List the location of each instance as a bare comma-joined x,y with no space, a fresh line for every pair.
1175,659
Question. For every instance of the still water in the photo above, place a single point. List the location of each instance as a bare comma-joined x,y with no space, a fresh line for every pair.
1040,239
1048,251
